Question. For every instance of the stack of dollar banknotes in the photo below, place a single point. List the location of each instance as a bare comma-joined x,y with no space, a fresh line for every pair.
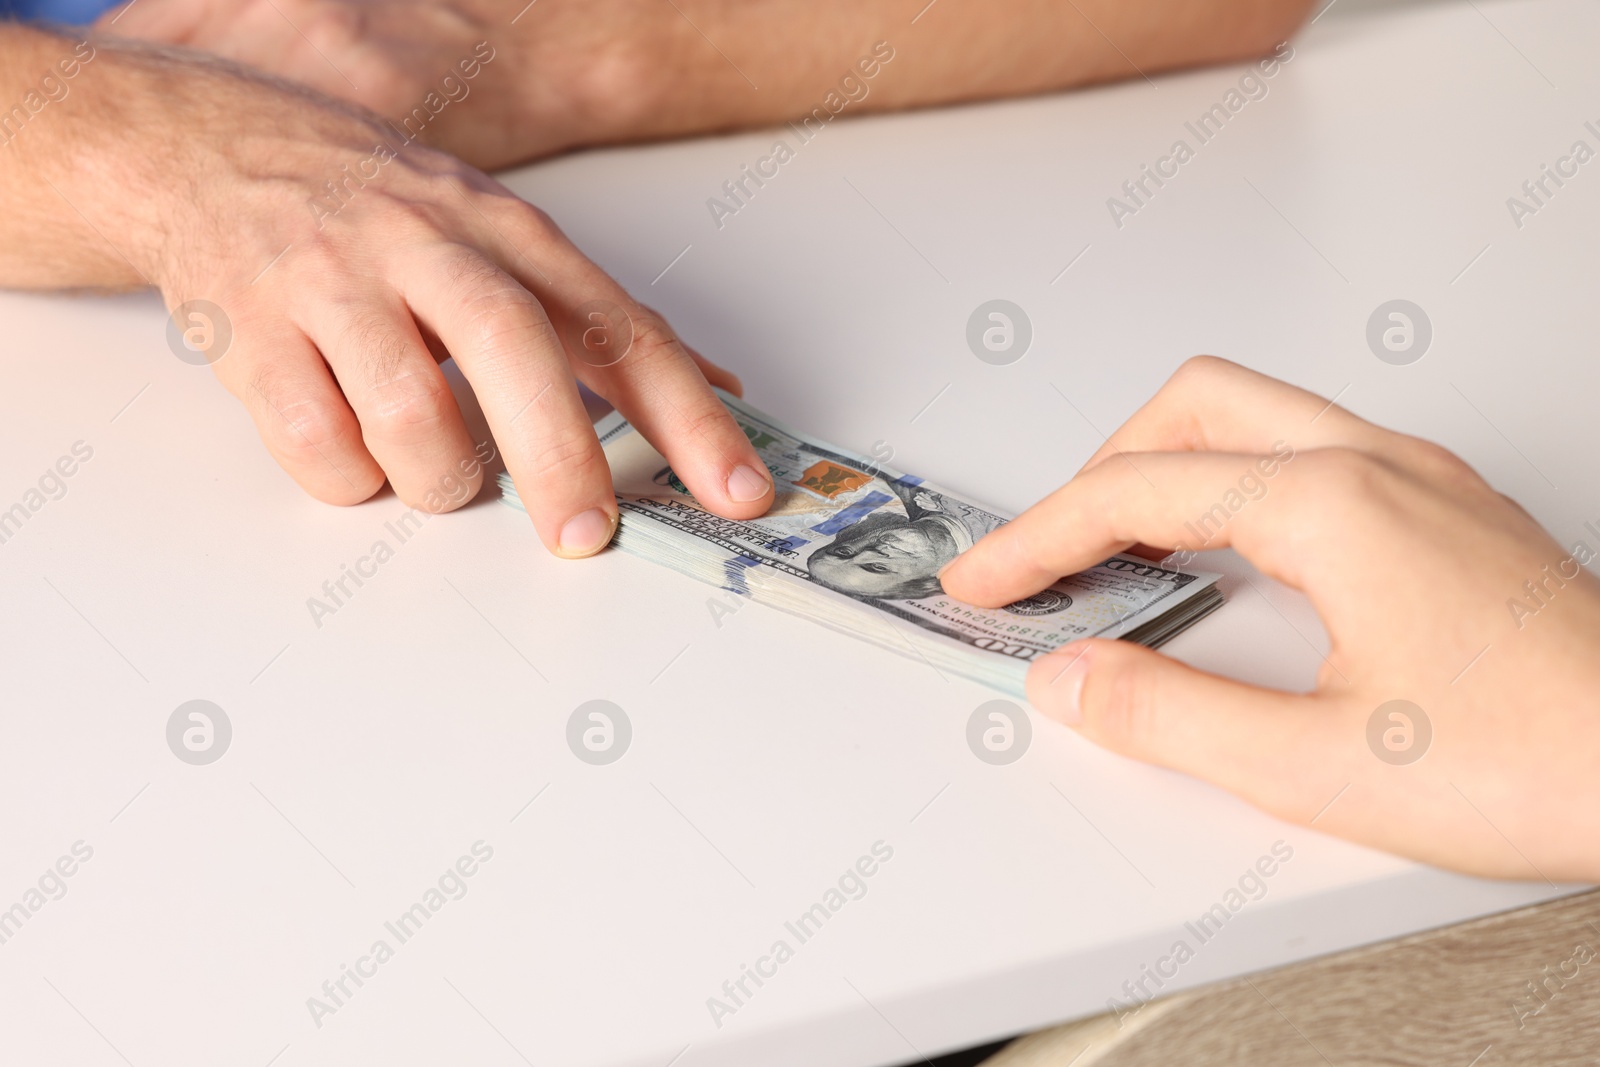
857,547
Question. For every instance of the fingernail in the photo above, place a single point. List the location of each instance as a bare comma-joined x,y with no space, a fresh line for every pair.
1068,667
586,534
745,485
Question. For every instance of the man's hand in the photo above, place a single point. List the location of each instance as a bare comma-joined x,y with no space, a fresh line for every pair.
569,73
347,266
1435,590
445,72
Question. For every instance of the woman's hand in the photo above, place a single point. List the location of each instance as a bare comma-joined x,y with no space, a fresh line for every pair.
1435,590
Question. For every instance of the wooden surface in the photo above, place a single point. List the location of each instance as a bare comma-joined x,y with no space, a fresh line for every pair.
1518,988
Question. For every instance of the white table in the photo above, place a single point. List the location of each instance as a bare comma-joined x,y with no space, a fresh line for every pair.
430,712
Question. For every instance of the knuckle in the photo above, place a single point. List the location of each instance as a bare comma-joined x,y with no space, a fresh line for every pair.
656,353
480,285
446,491
535,221
308,430
1440,462
576,456
413,405
421,214
709,421
332,26
384,83
497,313
405,396
1198,370
1515,506
1343,473
522,222
320,253
469,271
652,336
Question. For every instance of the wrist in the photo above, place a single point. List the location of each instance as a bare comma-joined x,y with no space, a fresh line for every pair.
131,166
55,232
102,160
600,71
620,70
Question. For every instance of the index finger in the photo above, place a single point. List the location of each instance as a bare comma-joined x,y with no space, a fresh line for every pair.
628,354
1170,500
506,347
1215,405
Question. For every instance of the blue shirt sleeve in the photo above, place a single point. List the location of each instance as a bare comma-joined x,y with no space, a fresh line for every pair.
62,12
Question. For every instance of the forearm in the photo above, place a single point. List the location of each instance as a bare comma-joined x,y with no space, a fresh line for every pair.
648,69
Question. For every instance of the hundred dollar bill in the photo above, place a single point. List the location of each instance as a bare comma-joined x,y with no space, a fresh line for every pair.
857,546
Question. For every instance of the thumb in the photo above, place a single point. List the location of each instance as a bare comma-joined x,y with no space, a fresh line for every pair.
1272,748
